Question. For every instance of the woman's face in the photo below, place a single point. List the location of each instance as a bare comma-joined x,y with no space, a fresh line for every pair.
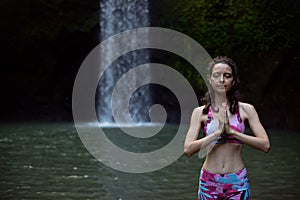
221,78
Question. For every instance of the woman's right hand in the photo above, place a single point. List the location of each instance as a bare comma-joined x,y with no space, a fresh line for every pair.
221,117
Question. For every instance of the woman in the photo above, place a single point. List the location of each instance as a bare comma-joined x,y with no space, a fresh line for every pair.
223,175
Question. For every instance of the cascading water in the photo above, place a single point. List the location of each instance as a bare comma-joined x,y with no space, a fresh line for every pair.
115,17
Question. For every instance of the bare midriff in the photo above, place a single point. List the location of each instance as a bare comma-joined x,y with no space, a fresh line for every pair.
224,159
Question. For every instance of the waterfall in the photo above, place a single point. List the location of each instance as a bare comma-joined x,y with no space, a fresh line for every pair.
117,16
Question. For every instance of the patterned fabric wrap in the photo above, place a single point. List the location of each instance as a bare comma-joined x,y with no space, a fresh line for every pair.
228,186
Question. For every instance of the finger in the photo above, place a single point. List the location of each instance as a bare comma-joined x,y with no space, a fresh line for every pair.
224,104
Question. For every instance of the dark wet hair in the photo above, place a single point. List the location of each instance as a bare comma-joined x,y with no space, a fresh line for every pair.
233,93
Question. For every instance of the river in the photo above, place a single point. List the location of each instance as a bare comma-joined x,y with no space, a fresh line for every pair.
48,161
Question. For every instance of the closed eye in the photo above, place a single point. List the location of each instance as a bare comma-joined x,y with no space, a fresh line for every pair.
216,75
227,75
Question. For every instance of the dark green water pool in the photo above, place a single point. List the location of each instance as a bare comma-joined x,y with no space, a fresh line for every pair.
48,161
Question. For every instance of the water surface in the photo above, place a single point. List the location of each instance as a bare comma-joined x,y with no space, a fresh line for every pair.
48,161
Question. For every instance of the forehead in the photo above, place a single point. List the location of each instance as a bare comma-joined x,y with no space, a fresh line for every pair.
221,67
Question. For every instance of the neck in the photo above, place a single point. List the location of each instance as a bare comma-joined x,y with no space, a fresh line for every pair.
221,99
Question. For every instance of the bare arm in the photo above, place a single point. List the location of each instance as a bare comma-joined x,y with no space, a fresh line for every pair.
192,144
260,139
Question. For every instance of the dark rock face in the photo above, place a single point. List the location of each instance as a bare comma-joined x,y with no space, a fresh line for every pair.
45,43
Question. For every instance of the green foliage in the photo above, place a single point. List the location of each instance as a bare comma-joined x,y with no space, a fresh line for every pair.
46,19
224,27
240,29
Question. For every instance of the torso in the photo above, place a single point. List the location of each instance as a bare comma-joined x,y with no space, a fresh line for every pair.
225,157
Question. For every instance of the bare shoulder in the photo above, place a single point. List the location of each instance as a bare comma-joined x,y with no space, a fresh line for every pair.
199,109
246,107
246,110
198,113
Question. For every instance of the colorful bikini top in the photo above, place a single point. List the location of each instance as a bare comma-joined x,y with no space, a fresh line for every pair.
212,125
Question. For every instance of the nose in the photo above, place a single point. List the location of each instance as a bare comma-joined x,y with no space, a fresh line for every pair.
221,79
